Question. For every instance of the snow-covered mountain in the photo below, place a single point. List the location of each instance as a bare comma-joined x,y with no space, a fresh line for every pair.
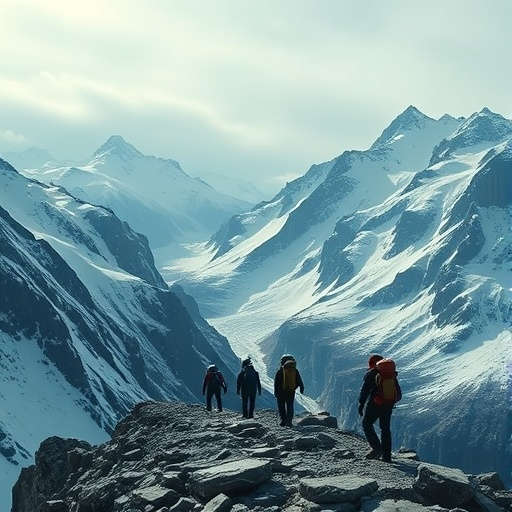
32,158
404,249
88,327
154,195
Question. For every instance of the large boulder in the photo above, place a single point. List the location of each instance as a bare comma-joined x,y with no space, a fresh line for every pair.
443,486
232,476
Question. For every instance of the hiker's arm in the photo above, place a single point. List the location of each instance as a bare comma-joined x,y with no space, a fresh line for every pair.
258,382
277,382
205,381
238,383
368,384
300,383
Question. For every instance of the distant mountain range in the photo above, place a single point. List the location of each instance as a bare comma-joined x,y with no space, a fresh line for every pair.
403,249
154,195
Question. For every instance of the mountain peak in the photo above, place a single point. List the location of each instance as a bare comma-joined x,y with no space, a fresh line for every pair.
409,119
116,145
484,126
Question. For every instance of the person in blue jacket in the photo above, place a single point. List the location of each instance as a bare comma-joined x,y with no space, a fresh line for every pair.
248,384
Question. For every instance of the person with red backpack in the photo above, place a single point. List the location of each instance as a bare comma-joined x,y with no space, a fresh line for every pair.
213,382
380,392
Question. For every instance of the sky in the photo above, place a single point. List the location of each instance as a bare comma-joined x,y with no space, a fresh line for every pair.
254,90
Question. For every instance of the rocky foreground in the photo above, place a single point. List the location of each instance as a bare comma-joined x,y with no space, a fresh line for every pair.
177,457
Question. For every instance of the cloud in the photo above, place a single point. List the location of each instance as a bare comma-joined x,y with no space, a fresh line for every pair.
11,138
264,89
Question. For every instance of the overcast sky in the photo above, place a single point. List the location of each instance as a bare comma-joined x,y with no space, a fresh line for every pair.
254,88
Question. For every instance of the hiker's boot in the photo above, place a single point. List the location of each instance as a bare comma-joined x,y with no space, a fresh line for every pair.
374,453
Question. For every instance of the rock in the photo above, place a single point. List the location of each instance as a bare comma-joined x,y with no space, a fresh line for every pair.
396,506
322,419
265,453
184,505
337,489
233,476
443,486
491,480
175,457
307,443
221,503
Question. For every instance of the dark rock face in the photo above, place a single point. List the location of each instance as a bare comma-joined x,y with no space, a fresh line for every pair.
176,457
403,284
334,263
130,249
411,227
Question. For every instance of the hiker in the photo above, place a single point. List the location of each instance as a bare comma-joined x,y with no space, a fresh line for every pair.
377,409
213,382
286,381
248,383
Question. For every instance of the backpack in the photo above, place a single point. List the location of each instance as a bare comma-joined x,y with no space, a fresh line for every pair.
388,388
215,379
289,366
250,376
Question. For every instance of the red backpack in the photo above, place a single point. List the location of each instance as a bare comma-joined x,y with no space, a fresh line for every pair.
388,388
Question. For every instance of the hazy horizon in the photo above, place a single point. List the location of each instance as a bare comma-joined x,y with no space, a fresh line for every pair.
254,90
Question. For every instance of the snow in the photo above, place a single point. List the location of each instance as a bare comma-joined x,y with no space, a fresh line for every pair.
28,415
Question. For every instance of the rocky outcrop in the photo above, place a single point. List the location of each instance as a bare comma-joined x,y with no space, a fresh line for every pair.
177,457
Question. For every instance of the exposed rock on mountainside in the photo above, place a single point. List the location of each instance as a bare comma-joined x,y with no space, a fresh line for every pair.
177,457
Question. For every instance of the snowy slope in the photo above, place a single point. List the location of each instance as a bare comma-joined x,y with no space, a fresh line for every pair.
403,249
154,195
88,327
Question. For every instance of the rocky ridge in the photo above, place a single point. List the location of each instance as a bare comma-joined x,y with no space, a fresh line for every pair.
177,457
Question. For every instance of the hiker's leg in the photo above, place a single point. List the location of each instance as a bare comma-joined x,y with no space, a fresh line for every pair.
385,430
252,399
289,408
209,394
245,398
281,407
218,396
371,414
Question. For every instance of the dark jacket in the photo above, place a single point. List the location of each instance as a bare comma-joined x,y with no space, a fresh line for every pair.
278,382
248,381
369,387
208,379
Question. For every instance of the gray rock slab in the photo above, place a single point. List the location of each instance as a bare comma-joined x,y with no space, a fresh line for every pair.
232,476
395,506
221,503
336,489
443,486
324,420
156,495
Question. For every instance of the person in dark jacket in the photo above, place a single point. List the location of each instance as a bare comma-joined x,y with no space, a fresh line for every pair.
380,448
248,383
286,381
213,382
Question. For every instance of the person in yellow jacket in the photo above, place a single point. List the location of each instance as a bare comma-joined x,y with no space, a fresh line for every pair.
286,381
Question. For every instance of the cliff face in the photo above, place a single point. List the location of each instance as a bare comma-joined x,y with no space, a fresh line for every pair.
175,456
